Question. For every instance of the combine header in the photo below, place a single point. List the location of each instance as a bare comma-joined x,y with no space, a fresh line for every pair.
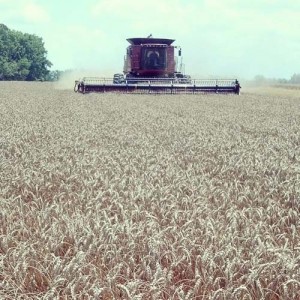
151,67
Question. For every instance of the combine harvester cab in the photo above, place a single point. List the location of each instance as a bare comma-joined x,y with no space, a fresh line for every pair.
151,67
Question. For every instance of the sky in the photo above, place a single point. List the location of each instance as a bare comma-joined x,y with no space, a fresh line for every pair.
229,38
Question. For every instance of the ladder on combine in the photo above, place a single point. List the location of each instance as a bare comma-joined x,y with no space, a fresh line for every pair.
157,86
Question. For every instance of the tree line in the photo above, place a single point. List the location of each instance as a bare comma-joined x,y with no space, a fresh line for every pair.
22,56
295,79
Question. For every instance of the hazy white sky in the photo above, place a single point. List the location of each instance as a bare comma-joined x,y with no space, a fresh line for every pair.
240,38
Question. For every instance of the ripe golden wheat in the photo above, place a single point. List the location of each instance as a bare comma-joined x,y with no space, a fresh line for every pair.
107,196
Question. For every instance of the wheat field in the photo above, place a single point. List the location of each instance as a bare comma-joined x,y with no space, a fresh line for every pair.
109,196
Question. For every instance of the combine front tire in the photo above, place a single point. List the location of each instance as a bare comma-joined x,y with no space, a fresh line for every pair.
118,79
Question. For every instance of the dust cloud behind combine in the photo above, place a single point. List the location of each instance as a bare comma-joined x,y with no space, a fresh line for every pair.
67,79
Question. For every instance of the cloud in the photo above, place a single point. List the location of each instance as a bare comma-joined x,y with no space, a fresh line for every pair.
143,17
35,13
23,11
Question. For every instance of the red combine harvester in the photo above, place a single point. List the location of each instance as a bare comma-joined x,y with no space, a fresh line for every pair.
151,66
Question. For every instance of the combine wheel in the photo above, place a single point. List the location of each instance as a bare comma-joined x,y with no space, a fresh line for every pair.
118,78
187,79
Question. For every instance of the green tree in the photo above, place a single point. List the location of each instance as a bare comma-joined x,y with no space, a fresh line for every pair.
54,75
295,78
22,56
260,79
